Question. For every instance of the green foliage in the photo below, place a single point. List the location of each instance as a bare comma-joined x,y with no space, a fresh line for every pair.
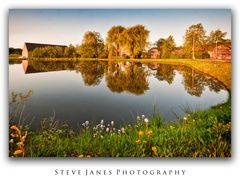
92,45
47,52
70,51
216,36
15,51
135,40
194,41
114,40
199,134
166,47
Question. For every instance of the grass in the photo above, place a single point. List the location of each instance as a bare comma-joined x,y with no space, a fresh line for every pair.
205,133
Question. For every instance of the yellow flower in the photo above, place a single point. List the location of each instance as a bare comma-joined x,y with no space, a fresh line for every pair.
154,149
17,152
138,141
81,156
140,133
150,132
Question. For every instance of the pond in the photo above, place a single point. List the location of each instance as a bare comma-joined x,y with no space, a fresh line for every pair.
74,92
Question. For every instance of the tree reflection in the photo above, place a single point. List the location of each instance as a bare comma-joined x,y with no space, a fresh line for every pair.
130,77
165,73
195,82
92,72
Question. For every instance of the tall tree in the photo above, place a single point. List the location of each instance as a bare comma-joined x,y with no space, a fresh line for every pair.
194,37
92,45
135,39
114,40
215,37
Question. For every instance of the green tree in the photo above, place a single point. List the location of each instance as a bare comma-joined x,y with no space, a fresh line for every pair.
70,51
215,37
135,39
114,40
194,39
92,45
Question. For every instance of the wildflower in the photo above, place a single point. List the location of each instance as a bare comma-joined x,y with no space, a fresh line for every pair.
101,122
143,116
114,129
112,123
81,156
101,136
146,120
122,130
140,133
138,118
107,129
154,149
11,141
138,141
193,120
149,133
87,123
185,118
119,131
83,124
145,142
17,152
14,127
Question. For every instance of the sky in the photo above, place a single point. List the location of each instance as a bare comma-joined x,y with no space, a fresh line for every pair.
64,27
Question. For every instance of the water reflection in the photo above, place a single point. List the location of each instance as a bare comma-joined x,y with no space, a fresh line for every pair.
129,77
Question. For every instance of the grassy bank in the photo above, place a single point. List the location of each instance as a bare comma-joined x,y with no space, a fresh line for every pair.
204,133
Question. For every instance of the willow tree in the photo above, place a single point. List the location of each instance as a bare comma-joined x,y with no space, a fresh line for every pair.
135,39
216,37
194,38
114,40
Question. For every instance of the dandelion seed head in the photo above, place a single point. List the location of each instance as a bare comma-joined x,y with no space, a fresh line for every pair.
146,120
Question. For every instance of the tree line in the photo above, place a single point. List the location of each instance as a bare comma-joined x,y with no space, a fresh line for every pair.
132,42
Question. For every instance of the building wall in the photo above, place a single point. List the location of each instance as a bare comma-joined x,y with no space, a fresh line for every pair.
222,53
25,51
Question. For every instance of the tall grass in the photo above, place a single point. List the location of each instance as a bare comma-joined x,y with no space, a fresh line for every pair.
205,133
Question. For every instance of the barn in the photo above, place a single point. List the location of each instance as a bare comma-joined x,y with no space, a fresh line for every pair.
221,52
28,47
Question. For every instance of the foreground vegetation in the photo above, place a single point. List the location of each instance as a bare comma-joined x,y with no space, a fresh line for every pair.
204,133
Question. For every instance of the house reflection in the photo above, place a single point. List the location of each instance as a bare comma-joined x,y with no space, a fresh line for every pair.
129,77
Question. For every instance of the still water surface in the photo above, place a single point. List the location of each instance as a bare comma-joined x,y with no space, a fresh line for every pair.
78,91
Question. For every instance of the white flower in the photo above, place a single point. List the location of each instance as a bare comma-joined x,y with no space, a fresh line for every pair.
146,120
119,131
87,122
112,123
138,118
101,122
83,124
123,130
114,129
185,118
101,136
107,129
143,116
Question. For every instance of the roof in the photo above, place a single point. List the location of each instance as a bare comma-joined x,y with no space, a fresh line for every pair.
32,46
